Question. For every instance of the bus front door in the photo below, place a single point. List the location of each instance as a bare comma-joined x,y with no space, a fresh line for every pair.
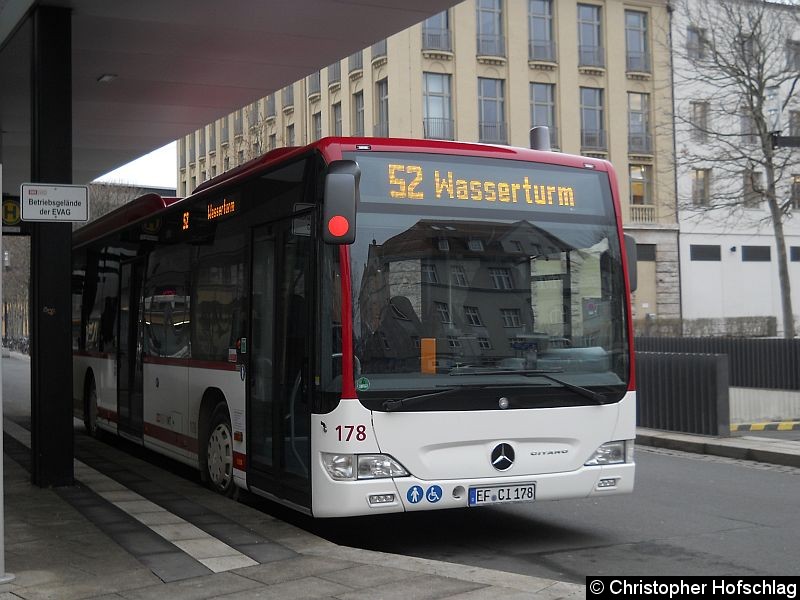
129,352
279,408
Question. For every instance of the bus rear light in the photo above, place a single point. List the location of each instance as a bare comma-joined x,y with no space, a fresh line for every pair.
348,467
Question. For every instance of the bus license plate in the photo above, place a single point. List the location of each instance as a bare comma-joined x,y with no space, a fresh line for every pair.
499,494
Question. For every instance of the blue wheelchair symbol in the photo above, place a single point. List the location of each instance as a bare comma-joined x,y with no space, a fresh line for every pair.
434,494
414,494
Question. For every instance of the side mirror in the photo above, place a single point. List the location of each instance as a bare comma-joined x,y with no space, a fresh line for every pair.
630,250
340,203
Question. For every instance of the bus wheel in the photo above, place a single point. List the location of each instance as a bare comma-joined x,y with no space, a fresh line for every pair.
90,408
218,468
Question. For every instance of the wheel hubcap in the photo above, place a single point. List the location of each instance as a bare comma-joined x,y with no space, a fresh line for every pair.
220,456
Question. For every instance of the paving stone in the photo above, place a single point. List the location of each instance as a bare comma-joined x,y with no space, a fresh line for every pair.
196,588
293,568
423,587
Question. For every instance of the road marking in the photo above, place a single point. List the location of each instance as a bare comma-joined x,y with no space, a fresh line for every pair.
214,554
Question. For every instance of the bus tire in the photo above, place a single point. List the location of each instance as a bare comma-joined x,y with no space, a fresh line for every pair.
90,406
217,459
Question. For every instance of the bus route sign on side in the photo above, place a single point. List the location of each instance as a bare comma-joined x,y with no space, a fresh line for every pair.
54,202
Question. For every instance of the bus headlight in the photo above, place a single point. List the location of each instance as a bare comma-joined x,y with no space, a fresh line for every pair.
612,453
375,466
344,467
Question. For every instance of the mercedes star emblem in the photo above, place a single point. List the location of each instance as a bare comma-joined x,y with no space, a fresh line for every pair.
503,457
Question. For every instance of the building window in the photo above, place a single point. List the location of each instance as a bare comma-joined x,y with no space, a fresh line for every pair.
704,252
751,184
355,62
639,139
223,131
501,278
314,84
212,138
458,276
290,135
334,73
793,55
443,245
540,31
475,244
794,253
795,192
453,341
645,253
252,115
794,122
490,28
695,43
382,98
491,110
443,311
590,39
438,121
436,33
511,317
484,343
700,187
358,114
316,126
473,316
336,118
637,53
756,254
641,192
238,122
272,141
543,108
748,127
593,133
182,153
270,106
288,96
699,121
429,273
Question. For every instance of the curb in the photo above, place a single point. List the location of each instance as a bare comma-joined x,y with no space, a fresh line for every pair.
767,451
767,426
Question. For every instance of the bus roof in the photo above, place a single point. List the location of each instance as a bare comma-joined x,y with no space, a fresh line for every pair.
331,148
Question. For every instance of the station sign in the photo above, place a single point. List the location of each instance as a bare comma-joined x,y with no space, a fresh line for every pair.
54,202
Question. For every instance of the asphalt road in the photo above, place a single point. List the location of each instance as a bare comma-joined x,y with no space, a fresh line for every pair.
689,515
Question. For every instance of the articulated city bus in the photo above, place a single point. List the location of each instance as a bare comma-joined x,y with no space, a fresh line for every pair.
365,326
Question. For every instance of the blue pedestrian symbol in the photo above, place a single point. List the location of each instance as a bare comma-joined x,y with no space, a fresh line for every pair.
414,494
434,494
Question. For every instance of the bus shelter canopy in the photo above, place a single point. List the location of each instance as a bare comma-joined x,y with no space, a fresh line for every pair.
146,73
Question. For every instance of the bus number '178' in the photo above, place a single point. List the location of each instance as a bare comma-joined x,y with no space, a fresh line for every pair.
345,432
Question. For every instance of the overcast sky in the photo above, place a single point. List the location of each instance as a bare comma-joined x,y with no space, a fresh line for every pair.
157,169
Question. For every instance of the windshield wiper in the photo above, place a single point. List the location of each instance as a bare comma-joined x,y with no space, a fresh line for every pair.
585,392
391,405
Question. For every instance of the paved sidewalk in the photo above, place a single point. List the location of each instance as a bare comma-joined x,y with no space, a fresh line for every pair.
761,449
91,541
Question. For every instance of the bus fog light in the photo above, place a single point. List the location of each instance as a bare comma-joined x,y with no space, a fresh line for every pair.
610,453
381,498
607,483
339,466
376,466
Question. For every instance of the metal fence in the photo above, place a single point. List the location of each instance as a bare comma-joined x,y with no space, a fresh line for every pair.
765,363
683,392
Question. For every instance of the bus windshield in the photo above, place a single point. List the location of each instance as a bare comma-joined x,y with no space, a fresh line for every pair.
479,279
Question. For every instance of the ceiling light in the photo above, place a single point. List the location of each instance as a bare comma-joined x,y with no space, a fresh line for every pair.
106,78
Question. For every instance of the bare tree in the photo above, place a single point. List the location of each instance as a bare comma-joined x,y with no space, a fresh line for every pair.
736,69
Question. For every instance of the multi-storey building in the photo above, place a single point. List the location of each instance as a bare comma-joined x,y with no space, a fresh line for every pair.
596,72
736,67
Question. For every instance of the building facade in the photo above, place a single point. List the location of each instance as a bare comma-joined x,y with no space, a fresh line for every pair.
736,65
598,73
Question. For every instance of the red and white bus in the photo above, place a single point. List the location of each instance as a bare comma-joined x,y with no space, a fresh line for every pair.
365,326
